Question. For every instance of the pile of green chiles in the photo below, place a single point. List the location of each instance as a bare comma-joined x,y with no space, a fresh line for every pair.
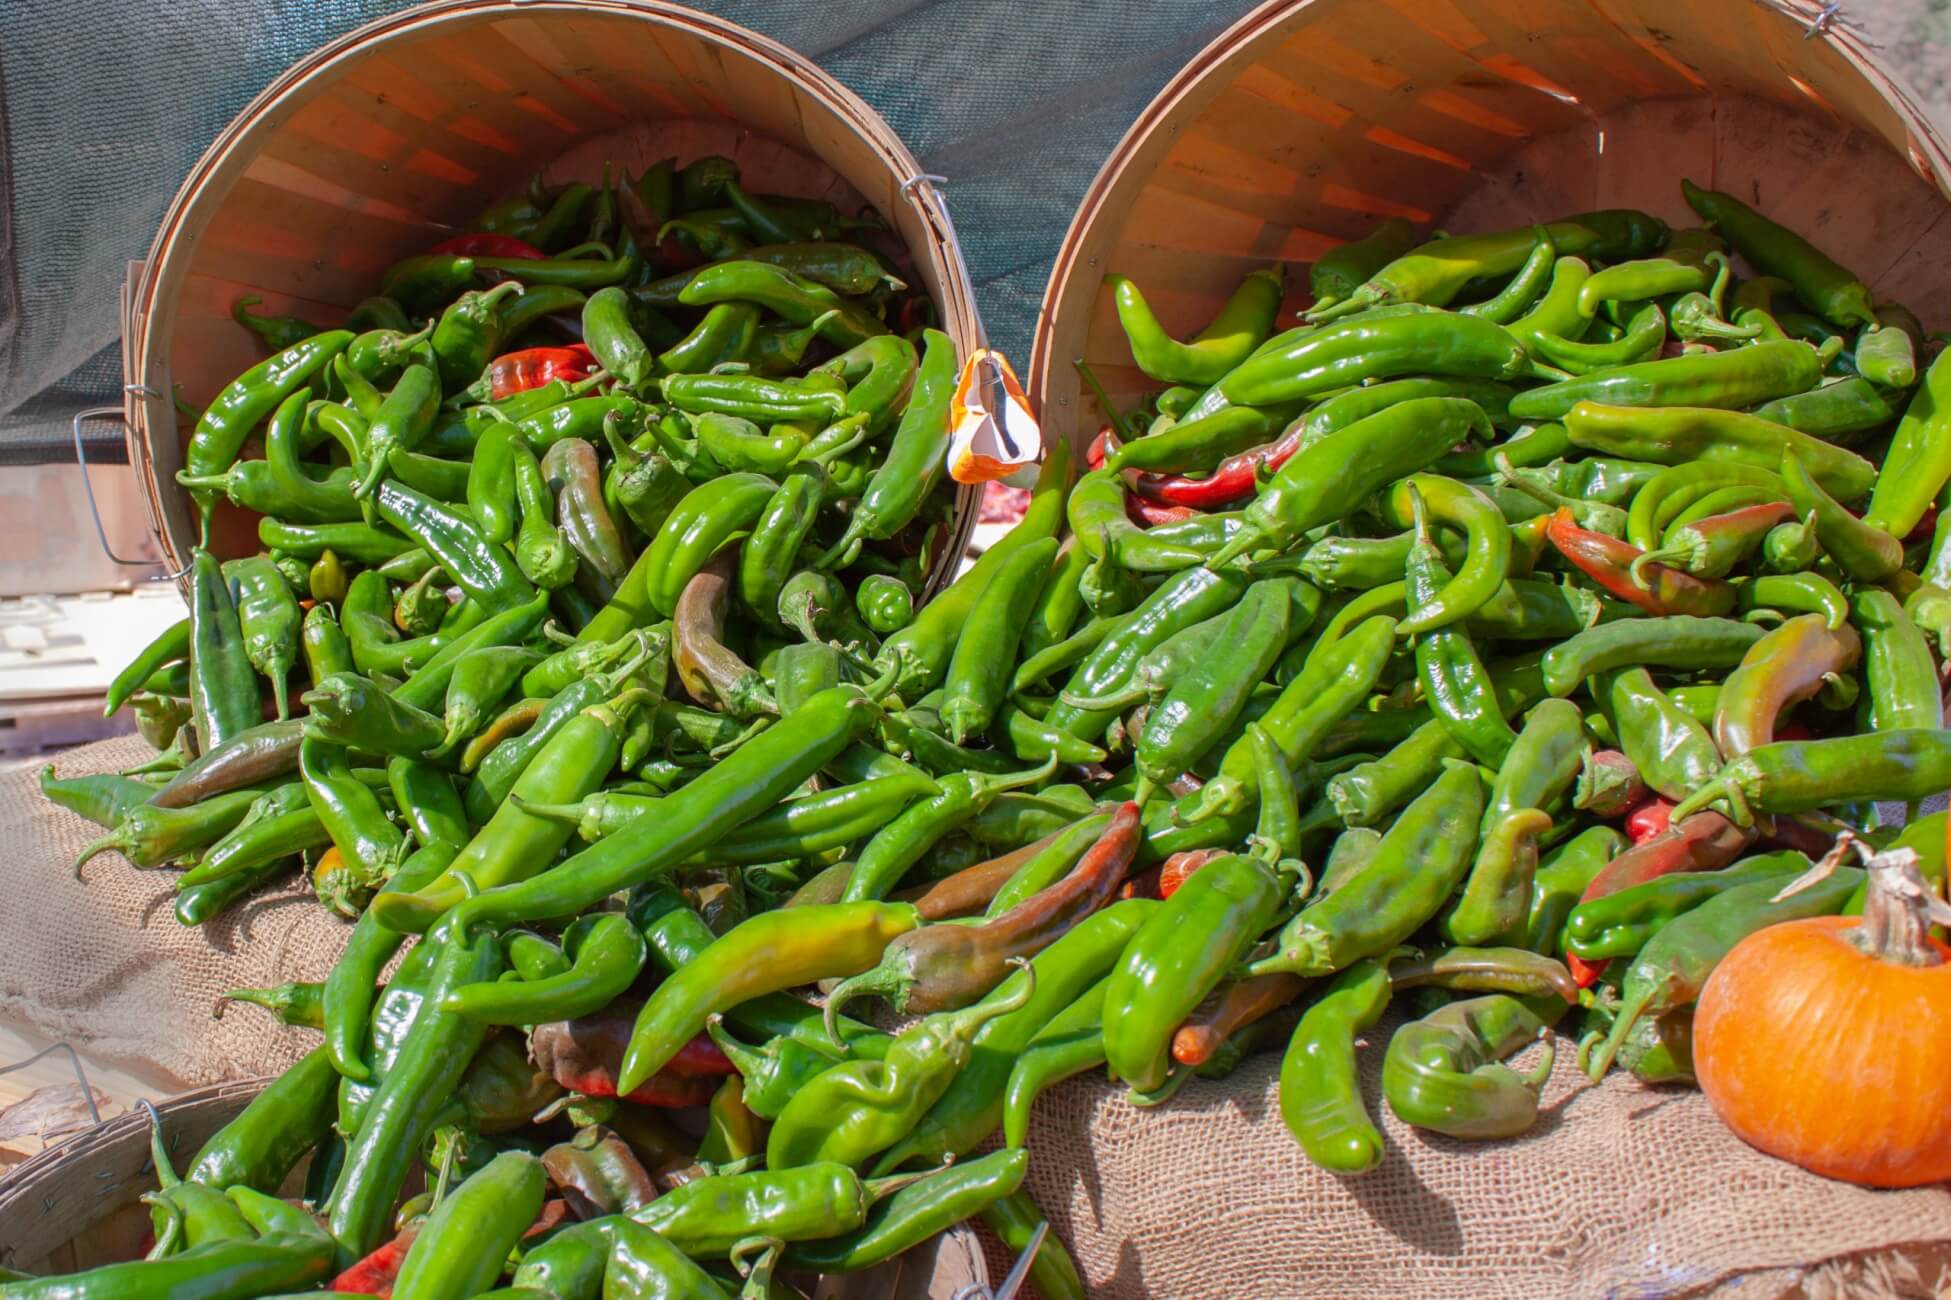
1409,648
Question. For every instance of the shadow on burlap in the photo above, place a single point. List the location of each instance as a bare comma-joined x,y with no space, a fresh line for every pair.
104,963
1621,1190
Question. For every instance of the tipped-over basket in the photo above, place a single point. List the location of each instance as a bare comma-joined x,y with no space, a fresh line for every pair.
383,142
1296,130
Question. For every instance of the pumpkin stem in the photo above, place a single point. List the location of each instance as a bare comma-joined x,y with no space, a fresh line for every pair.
1821,871
1898,912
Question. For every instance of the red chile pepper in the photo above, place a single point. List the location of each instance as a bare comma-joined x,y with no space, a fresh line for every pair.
1234,479
1609,562
517,372
376,1273
1648,820
486,244
1174,871
1150,514
586,1054
1705,841
1101,446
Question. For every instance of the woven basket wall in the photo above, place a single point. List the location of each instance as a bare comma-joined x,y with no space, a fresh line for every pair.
1306,123
382,142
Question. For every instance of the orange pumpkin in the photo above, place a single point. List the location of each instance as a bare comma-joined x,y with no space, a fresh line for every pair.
1827,1042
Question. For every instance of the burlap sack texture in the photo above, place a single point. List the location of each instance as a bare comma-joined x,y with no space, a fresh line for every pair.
1620,1190
104,963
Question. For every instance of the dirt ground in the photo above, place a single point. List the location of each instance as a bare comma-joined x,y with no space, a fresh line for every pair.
1915,37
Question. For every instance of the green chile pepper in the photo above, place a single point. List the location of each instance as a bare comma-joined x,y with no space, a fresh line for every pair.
1327,480
1204,703
461,1248
1671,641
1620,924
605,950
1160,978
1442,1072
1673,752
857,1109
409,1098
795,297
1865,552
1453,677
223,684
1560,883
1744,376
1898,670
701,524
224,425
972,1107
1418,865
347,709
1242,325
979,671
1320,1093
1776,250
268,618
1677,435
1917,466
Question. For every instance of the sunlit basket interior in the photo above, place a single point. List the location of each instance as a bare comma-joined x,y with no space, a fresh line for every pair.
1306,123
380,144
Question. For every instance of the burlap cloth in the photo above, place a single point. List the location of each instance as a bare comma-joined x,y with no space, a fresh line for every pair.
104,963
1621,1190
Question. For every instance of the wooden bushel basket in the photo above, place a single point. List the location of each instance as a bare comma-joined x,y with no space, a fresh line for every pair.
75,1206
386,140
1296,130
1304,124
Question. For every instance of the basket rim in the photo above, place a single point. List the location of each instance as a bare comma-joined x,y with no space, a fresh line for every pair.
1928,154
143,400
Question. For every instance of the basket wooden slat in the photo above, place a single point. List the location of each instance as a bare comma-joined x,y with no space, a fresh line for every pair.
1306,122
74,1205
385,140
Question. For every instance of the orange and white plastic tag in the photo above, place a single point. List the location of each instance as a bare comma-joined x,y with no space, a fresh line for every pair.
994,432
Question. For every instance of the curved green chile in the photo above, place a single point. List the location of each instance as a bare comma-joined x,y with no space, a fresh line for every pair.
1673,966
1453,677
1242,325
1443,1073
1340,271
1320,1091
914,1214
857,1109
1672,641
1774,249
